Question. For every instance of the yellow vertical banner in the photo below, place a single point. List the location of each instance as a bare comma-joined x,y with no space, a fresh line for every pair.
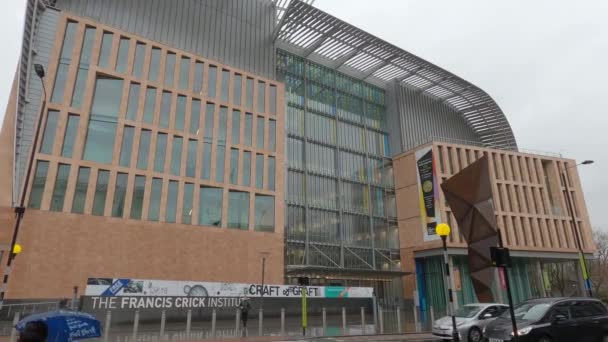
304,310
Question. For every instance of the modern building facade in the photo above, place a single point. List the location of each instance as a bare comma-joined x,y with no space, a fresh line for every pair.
189,140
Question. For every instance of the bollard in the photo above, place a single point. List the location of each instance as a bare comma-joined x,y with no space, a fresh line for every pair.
13,330
237,321
362,321
213,319
163,318
381,319
188,322
324,321
282,321
399,320
344,320
106,326
135,325
260,322
432,315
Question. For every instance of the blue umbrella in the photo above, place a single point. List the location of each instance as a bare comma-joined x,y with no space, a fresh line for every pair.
65,325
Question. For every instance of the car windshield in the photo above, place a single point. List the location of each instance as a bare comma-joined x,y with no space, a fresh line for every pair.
528,311
467,311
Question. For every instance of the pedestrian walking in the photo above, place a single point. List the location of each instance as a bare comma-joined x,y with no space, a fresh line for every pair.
245,306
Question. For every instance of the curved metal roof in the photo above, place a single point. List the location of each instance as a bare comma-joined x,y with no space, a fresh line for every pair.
314,34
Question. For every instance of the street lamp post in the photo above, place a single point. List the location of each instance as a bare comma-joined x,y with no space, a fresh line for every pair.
443,230
575,228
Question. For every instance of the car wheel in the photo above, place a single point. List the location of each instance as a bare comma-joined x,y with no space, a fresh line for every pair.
545,339
475,335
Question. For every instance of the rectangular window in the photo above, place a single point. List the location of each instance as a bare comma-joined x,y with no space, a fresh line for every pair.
127,146
155,194
225,94
165,110
249,93
237,89
154,65
150,105
273,100
81,82
48,139
184,72
264,213
180,113
209,114
211,81
191,158
171,212
272,135
271,171
123,55
106,48
61,183
169,69
260,132
87,46
42,168
220,157
144,149
80,192
161,150
259,171
120,194
210,207
195,116
60,79
176,156
248,128
101,190
198,77
100,141
133,102
246,168
187,203
238,210
222,129
235,137
138,62
137,201
234,166
206,168
261,96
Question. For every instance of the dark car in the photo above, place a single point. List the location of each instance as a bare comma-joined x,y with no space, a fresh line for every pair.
553,320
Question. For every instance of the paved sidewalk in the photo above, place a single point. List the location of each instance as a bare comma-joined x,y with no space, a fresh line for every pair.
370,338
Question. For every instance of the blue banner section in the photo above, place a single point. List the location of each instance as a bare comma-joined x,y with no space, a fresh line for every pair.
421,284
116,286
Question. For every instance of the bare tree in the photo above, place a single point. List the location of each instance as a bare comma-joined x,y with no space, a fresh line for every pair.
598,266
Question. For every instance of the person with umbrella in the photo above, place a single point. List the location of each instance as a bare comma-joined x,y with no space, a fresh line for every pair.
58,326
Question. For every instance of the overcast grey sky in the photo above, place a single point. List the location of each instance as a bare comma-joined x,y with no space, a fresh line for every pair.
544,62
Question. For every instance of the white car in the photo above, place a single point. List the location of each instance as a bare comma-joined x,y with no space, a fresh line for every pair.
470,321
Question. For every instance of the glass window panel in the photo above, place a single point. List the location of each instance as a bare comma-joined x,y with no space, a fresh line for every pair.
127,146
295,187
169,69
123,54
377,202
235,137
161,151
351,137
353,166
261,97
79,87
195,116
184,72
99,144
155,194
48,139
211,81
133,103
295,225
80,192
376,143
295,121
149,105
271,172
106,48
60,79
87,45
249,93
273,100
191,158
144,149
248,129
272,135
324,226
154,64
165,110
295,153
61,183
260,132
321,192
259,171
138,62
246,168
350,107
220,158
320,99
101,190
171,212
234,166
210,206
176,156
237,89
198,77
375,170
225,85
238,210
264,213
180,113
107,97
187,203
355,197
294,91
321,159
42,168
137,201
120,194
321,128
222,129
209,114
357,231
206,167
